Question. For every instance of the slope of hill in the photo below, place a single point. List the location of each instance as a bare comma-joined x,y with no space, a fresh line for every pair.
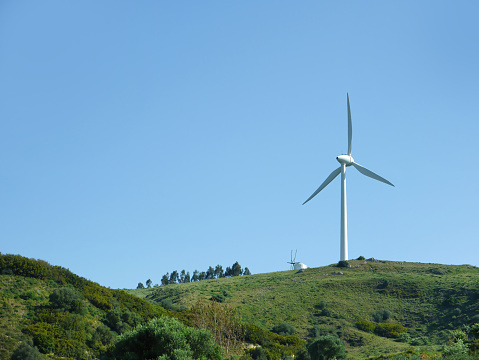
69,317
78,331
428,299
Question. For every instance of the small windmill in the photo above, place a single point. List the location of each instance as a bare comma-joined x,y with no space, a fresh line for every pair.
293,260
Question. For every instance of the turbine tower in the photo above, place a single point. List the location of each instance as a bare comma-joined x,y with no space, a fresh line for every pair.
345,161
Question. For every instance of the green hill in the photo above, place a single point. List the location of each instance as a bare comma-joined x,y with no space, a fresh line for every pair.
369,307
429,300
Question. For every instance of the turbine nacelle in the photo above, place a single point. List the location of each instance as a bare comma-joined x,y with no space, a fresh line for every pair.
345,159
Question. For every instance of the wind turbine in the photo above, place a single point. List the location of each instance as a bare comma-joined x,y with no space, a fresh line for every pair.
345,161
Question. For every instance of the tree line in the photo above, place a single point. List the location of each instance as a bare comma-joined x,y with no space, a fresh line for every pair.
185,277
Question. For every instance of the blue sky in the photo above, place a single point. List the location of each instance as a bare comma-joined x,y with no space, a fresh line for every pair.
137,138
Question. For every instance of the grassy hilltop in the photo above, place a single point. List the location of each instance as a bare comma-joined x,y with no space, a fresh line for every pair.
428,299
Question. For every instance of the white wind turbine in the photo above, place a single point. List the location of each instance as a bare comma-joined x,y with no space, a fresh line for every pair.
345,161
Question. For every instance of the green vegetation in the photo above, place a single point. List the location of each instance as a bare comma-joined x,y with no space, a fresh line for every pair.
372,309
166,339
422,301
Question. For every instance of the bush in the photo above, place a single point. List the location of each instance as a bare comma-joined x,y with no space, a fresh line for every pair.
382,315
389,330
475,330
361,258
26,351
122,320
284,329
365,325
455,350
422,340
322,305
166,338
327,347
66,299
258,353
343,264
218,298
44,342
404,337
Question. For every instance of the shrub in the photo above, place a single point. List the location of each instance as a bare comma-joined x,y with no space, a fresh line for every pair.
475,330
169,339
382,315
122,320
365,325
404,337
456,350
259,353
327,312
389,330
44,342
322,305
422,340
327,347
26,351
66,299
343,264
284,329
218,297
361,258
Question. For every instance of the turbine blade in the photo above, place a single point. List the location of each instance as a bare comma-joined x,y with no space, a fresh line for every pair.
369,173
350,129
325,183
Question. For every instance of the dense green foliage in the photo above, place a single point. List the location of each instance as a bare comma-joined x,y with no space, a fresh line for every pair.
64,313
376,309
284,329
26,351
166,339
326,348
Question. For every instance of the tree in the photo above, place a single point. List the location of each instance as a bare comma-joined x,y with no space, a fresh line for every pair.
182,276
223,321
173,277
187,277
327,347
148,283
26,351
246,271
228,271
165,279
219,271
202,276
166,338
210,273
236,269
195,276
140,286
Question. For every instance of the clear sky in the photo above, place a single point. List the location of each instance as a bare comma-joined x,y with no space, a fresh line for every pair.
138,138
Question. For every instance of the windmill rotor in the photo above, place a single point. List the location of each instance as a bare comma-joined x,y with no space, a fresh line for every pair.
293,260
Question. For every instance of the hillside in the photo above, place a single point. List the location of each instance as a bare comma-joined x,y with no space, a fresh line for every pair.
73,326
369,307
428,299
66,317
